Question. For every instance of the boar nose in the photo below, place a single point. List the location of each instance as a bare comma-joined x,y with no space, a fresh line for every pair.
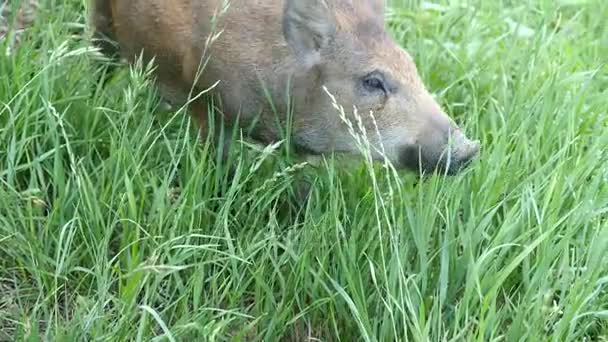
462,151
441,146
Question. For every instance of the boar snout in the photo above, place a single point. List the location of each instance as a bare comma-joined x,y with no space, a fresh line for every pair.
442,146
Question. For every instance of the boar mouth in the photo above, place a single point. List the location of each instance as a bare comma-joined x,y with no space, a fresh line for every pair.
417,158
449,162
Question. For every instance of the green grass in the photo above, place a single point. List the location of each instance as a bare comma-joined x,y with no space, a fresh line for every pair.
117,224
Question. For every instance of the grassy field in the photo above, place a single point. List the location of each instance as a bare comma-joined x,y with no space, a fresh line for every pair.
117,224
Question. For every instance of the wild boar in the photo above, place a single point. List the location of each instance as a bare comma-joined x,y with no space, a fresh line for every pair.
273,56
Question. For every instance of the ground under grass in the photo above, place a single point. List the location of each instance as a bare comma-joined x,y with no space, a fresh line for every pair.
117,224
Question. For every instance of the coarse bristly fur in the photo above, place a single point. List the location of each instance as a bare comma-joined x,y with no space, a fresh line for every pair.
16,19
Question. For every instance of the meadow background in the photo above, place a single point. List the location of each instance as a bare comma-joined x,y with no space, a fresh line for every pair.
117,224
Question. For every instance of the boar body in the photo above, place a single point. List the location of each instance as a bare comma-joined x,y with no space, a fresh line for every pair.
272,56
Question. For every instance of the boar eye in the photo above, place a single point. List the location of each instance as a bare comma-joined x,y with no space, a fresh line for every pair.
374,82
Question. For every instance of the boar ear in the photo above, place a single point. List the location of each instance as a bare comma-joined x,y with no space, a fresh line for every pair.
308,26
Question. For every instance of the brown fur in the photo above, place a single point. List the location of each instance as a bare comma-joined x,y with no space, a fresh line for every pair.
292,48
20,20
